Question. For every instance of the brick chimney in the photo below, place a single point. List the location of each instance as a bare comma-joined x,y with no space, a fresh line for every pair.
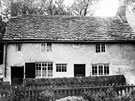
121,13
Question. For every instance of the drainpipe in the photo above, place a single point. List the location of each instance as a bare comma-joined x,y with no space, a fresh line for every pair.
5,65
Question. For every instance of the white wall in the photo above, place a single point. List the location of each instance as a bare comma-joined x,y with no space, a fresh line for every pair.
121,58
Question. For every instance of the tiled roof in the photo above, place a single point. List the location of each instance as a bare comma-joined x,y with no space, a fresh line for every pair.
67,28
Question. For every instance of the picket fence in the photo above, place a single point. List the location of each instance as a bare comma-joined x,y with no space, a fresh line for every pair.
32,92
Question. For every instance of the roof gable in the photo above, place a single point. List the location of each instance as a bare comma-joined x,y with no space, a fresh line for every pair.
67,28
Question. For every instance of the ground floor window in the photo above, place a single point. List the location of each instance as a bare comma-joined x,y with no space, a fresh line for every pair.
61,67
100,69
44,69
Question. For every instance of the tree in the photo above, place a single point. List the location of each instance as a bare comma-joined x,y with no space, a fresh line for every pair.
83,7
2,27
52,7
131,5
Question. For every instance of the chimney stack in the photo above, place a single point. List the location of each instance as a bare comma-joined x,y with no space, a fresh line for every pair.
121,13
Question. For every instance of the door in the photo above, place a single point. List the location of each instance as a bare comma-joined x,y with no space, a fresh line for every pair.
17,74
79,70
30,70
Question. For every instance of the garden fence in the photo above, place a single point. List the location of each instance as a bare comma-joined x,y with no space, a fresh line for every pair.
32,92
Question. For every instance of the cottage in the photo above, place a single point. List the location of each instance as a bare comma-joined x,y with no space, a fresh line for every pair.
65,46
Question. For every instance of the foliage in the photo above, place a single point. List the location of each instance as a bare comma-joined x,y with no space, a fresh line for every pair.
47,95
94,96
109,95
83,81
16,94
83,7
2,26
42,7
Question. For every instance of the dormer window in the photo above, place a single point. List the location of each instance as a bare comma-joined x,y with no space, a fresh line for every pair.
100,47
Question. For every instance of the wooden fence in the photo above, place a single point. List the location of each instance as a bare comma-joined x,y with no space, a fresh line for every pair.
32,92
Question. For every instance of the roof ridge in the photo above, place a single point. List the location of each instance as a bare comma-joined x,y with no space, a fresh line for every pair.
61,16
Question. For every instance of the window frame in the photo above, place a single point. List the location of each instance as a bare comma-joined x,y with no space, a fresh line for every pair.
61,67
45,71
46,47
102,69
100,47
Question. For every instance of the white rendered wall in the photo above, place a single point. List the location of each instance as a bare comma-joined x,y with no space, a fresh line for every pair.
121,58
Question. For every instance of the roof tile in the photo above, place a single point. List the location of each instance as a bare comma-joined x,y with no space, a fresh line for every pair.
67,28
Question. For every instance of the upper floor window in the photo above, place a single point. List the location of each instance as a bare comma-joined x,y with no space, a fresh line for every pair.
46,47
18,47
100,47
100,69
61,67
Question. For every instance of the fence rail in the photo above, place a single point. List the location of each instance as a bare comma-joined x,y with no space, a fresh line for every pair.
33,92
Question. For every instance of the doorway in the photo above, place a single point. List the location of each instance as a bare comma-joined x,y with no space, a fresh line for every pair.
17,74
79,70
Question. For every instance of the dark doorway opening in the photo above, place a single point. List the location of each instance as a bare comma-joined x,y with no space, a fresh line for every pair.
17,74
79,70
1,53
30,70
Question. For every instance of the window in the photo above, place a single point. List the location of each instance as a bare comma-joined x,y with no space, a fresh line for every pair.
97,48
100,47
44,69
46,47
61,67
94,70
100,69
18,47
43,47
49,47
103,47
106,69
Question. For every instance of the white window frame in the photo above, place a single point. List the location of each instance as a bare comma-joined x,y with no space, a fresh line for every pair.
45,71
100,47
46,47
101,72
61,67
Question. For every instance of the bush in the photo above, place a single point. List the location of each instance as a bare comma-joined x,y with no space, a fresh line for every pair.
109,95
47,95
16,94
94,96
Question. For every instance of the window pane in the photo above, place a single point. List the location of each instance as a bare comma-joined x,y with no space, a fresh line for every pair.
18,46
106,69
61,67
43,47
38,69
103,47
44,69
97,48
94,70
100,70
49,47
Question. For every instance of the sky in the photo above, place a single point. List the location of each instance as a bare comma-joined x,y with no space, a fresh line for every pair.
106,7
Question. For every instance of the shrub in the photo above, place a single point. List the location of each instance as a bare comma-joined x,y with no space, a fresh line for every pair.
94,96
16,94
109,95
47,95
